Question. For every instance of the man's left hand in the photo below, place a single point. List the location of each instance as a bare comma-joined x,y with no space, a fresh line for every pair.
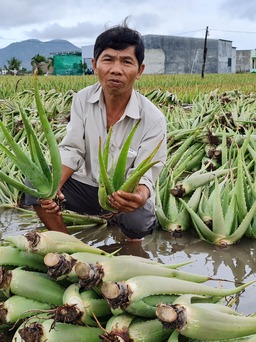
128,202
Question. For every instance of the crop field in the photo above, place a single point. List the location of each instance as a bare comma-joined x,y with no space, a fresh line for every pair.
205,205
211,141
185,87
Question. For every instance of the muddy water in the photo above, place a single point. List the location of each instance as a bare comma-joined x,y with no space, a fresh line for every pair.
231,266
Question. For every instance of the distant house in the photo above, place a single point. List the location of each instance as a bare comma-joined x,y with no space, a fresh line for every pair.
182,55
246,61
68,63
87,54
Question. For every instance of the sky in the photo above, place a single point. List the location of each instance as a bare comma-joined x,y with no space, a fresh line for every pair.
81,21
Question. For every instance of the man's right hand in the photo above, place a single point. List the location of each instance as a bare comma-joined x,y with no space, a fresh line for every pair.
51,206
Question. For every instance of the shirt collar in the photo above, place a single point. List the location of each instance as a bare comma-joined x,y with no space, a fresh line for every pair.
132,108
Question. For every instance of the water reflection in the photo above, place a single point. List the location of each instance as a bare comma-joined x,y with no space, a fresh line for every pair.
12,223
236,263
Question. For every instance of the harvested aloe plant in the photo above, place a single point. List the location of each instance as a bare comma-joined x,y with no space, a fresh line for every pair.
36,168
108,185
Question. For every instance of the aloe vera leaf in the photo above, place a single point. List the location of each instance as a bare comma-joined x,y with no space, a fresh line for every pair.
240,231
119,173
163,220
104,179
166,222
149,158
204,209
171,205
183,218
224,149
218,221
188,156
217,322
202,229
22,187
103,198
132,182
20,158
197,179
180,151
107,148
239,188
75,218
35,149
56,164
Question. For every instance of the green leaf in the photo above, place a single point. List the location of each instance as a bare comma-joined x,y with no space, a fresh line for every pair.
119,173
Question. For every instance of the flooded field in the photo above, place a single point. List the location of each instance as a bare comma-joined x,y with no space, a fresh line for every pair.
230,266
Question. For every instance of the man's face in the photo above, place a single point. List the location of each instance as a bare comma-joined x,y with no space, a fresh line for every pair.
117,70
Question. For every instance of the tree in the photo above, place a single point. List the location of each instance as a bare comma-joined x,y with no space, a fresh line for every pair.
39,62
13,65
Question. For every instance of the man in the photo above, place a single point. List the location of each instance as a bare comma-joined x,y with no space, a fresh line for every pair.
112,102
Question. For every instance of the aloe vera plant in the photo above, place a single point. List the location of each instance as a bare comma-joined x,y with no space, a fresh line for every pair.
172,215
227,208
126,327
217,322
32,163
117,181
125,294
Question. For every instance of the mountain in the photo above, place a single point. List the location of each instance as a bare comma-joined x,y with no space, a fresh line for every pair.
27,49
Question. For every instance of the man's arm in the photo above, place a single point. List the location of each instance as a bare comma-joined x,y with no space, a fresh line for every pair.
67,172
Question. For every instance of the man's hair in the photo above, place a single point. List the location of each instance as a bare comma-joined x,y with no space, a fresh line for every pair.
119,38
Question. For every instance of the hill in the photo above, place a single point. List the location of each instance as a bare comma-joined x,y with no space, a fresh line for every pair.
27,49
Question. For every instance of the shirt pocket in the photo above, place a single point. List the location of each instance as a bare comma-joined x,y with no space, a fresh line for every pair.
132,154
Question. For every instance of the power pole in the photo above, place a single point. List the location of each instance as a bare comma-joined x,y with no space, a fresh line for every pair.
205,51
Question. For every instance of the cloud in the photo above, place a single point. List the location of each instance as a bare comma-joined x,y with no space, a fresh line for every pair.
146,21
81,21
17,13
240,9
56,31
88,31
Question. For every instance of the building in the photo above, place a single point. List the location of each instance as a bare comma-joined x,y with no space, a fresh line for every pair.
87,54
246,61
183,55
68,63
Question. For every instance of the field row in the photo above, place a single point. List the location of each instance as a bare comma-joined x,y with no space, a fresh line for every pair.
185,87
